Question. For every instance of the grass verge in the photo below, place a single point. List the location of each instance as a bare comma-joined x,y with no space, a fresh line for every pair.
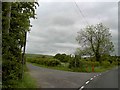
65,68
102,69
27,81
55,67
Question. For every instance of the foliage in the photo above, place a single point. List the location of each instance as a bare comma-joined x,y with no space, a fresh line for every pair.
82,65
95,41
62,57
26,82
105,64
58,56
15,23
53,62
75,62
90,63
44,61
86,64
118,60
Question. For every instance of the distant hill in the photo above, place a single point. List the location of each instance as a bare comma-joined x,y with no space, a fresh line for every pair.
38,55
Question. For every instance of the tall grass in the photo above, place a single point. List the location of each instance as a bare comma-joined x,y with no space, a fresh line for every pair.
26,82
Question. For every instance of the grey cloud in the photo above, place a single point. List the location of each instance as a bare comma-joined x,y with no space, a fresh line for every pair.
62,21
69,45
57,24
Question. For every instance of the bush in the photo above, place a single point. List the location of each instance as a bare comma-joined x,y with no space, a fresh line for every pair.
62,57
74,62
53,62
44,61
105,64
43,57
114,63
90,63
30,60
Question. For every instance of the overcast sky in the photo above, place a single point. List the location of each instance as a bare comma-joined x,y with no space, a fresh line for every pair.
55,29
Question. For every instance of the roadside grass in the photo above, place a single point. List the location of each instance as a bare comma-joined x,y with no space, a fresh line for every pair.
103,69
64,67
60,67
27,82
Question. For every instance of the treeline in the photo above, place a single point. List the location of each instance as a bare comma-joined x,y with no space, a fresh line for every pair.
78,61
44,61
15,25
63,57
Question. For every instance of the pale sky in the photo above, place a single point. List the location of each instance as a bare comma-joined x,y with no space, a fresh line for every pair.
55,29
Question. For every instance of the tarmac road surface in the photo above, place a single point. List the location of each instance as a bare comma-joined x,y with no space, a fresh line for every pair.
49,78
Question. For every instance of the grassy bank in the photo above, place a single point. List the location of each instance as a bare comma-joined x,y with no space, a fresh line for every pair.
26,82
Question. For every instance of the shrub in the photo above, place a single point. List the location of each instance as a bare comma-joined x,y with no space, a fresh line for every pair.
74,62
114,63
62,57
31,60
96,64
105,64
53,62
90,63
43,57
44,61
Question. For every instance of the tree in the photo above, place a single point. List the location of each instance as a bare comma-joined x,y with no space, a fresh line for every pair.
95,40
57,56
15,23
62,57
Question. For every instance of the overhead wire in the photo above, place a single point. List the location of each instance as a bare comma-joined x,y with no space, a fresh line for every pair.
81,13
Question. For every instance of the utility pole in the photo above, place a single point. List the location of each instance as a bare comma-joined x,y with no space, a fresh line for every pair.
23,54
75,60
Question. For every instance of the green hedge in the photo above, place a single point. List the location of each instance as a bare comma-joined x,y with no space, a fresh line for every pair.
44,61
74,63
105,64
90,63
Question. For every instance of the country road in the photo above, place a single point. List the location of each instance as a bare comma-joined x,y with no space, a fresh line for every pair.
109,79
49,78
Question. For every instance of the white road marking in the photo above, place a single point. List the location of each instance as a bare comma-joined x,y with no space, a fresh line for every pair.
91,79
81,88
87,82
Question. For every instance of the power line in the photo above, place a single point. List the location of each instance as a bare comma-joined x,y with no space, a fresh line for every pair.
80,11
76,10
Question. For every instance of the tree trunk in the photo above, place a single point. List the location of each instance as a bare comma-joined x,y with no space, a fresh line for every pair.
97,56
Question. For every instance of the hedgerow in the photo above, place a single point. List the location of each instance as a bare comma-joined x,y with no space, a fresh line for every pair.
44,61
